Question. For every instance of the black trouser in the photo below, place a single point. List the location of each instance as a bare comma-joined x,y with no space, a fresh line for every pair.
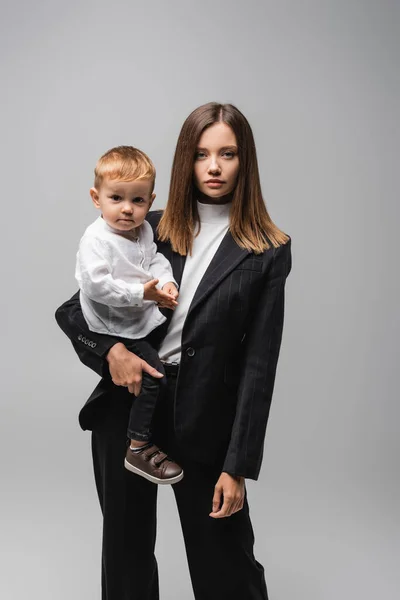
220,551
143,406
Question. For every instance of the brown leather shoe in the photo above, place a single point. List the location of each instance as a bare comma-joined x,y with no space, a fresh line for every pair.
154,465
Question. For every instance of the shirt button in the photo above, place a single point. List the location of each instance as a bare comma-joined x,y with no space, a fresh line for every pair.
190,352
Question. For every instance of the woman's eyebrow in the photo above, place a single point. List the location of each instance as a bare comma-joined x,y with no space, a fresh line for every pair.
232,147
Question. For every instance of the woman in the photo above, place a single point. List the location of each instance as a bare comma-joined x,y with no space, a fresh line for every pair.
220,348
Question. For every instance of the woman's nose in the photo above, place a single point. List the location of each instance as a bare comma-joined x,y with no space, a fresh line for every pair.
214,167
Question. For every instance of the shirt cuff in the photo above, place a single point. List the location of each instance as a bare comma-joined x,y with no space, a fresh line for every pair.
137,293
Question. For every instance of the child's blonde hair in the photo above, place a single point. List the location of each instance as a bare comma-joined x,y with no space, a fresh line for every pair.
125,163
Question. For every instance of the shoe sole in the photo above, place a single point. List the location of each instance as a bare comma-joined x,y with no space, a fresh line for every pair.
151,478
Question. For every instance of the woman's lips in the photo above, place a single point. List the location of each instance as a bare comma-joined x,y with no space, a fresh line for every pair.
214,184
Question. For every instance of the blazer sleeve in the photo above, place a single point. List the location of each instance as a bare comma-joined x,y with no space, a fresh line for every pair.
258,368
91,347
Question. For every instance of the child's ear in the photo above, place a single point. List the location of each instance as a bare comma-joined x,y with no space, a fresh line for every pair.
95,197
152,198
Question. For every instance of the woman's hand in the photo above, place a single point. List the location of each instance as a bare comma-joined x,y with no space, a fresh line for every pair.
231,489
126,368
162,297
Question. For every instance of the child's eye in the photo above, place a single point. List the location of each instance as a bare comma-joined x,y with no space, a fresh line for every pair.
115,197
139,200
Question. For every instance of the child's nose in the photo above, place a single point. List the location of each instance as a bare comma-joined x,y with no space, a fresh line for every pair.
127,208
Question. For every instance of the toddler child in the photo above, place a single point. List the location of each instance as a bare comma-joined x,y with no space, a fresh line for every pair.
122,280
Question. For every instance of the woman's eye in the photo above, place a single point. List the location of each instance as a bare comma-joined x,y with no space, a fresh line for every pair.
200,155
229,154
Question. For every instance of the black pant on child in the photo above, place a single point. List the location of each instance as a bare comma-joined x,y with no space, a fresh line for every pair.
144,405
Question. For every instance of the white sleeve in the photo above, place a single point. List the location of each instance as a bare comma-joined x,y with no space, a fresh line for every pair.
93,273
160,268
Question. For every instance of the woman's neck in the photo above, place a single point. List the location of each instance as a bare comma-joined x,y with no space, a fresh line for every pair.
204,199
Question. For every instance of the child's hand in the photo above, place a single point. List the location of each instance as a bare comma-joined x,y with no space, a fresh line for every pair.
161,297
171,289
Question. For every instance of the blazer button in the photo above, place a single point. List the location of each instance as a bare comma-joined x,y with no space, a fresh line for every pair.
190,352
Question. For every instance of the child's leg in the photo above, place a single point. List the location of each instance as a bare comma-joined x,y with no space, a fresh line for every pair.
144,405
143,457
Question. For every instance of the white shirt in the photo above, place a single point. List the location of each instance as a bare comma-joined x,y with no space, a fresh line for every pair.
111,269
214,220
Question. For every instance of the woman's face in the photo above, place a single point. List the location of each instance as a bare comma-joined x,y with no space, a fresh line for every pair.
216,164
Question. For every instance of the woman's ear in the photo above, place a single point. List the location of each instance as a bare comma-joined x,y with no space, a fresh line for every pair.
95,197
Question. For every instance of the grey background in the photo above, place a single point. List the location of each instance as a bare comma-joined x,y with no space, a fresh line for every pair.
319,83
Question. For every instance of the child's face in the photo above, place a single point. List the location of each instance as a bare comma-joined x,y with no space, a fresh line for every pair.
124,204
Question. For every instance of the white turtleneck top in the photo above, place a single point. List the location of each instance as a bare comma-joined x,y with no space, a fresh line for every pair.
214,219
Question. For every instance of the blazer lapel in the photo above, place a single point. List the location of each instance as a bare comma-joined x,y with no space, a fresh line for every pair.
226,258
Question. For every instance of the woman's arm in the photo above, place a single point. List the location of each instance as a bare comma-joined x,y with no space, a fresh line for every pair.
104,354
258,368
92,348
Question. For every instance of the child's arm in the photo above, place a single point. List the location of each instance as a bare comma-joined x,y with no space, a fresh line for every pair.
94,276
161,268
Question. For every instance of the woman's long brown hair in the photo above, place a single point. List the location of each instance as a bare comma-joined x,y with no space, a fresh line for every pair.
250,224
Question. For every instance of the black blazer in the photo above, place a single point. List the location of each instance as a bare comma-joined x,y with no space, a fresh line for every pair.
230,347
